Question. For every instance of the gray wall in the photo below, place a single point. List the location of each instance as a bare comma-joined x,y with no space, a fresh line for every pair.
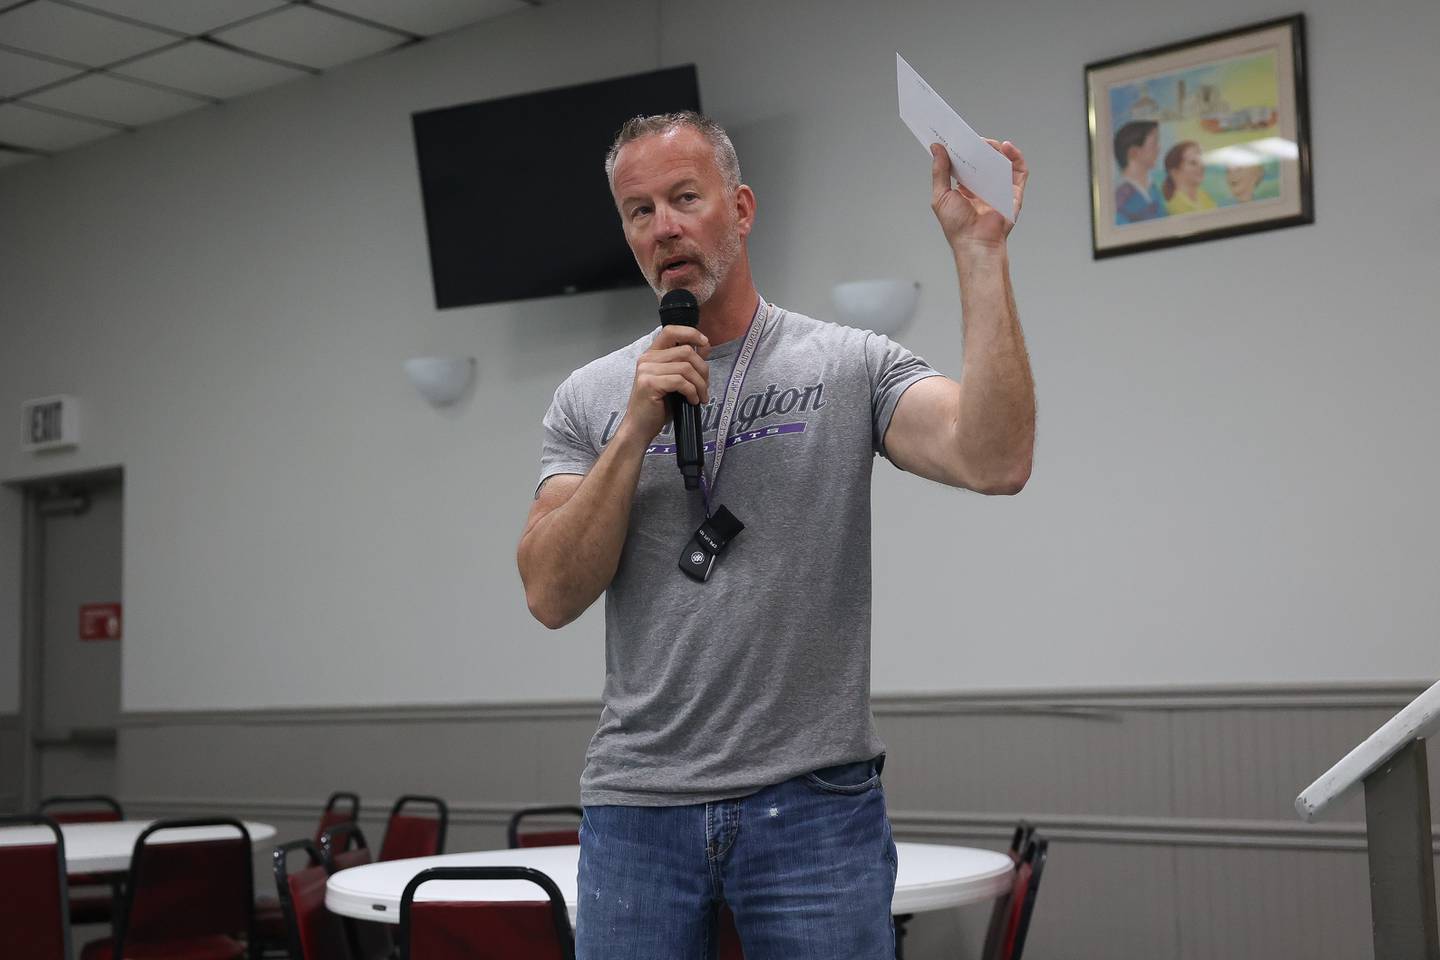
1235,469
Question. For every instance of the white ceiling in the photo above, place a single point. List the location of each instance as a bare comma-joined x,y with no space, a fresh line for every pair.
75,71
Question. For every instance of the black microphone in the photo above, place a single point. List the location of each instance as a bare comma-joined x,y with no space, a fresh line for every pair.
679,307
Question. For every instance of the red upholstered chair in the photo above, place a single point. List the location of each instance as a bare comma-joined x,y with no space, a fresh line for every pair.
34,906
542,838
341,847
1019,905
1000,912
415,834
93,896
270,924
313,933
485,930
342,807
185,899
87,808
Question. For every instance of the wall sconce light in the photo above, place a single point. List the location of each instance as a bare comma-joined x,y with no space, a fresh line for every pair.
441,380
884,306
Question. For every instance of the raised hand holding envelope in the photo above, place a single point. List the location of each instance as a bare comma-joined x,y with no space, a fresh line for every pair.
991,174
977,431
964,216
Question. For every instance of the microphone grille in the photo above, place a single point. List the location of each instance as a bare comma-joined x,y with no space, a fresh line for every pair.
680,307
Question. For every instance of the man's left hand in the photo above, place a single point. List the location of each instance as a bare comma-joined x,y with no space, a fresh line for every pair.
965,218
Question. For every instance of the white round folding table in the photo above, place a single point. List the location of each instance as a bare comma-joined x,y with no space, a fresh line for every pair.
106,847
931,877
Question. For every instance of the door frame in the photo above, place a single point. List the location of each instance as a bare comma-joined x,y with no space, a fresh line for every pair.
32,583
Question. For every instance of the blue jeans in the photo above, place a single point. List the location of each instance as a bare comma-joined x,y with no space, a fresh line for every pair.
807,866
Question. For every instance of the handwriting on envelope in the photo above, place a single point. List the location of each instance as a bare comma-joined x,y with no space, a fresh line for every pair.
979,167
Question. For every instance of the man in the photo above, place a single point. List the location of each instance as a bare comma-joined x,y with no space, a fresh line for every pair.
1137,147
736,759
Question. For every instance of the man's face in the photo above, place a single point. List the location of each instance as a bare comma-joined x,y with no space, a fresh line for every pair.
683,225
1149,151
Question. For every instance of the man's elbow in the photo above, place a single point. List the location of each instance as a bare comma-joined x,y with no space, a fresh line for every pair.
544,605
1007,488
1003,483
541,601
550,615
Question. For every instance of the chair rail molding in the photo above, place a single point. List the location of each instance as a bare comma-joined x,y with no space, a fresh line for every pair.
1082,704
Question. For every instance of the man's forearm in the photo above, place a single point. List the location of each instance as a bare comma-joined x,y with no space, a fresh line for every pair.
996,433
570,556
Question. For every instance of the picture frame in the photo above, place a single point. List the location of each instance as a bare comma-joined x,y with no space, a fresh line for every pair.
1215,137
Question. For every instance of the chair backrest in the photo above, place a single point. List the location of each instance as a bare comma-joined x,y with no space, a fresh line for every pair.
82,808
34,900
415,834
1020,839
542,838
342,807
1022,897
314,932
187,888
1000,912
341,847
485,930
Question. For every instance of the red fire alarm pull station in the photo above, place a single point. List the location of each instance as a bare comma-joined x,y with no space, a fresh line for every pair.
100,621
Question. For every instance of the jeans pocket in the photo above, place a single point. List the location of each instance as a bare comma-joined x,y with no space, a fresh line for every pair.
848,778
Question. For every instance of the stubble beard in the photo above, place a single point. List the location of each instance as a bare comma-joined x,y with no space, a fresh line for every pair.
714,267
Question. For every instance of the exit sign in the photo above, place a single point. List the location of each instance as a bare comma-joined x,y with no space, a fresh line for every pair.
49,423
100,621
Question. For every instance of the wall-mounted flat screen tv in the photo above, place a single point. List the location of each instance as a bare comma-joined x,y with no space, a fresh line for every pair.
516,201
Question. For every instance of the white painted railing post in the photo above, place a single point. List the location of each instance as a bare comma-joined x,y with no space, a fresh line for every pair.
1402,867
1391,763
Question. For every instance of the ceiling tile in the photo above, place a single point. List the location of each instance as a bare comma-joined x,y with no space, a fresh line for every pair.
210,70
9,158
310,37
426,17
26,127
71,34
19,73
187,16
114,99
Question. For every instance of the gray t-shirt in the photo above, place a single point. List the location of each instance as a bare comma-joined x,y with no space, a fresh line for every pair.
714,690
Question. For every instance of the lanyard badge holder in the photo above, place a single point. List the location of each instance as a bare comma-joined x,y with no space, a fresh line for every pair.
721,526
709,541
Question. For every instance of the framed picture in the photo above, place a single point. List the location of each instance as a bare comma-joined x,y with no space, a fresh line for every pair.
1200,140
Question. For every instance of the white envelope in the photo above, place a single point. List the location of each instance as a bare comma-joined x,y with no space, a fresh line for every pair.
980,168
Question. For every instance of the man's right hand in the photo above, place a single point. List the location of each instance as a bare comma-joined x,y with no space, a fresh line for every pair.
571,546
675,363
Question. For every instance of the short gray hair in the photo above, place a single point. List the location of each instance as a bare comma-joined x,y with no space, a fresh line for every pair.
658,123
